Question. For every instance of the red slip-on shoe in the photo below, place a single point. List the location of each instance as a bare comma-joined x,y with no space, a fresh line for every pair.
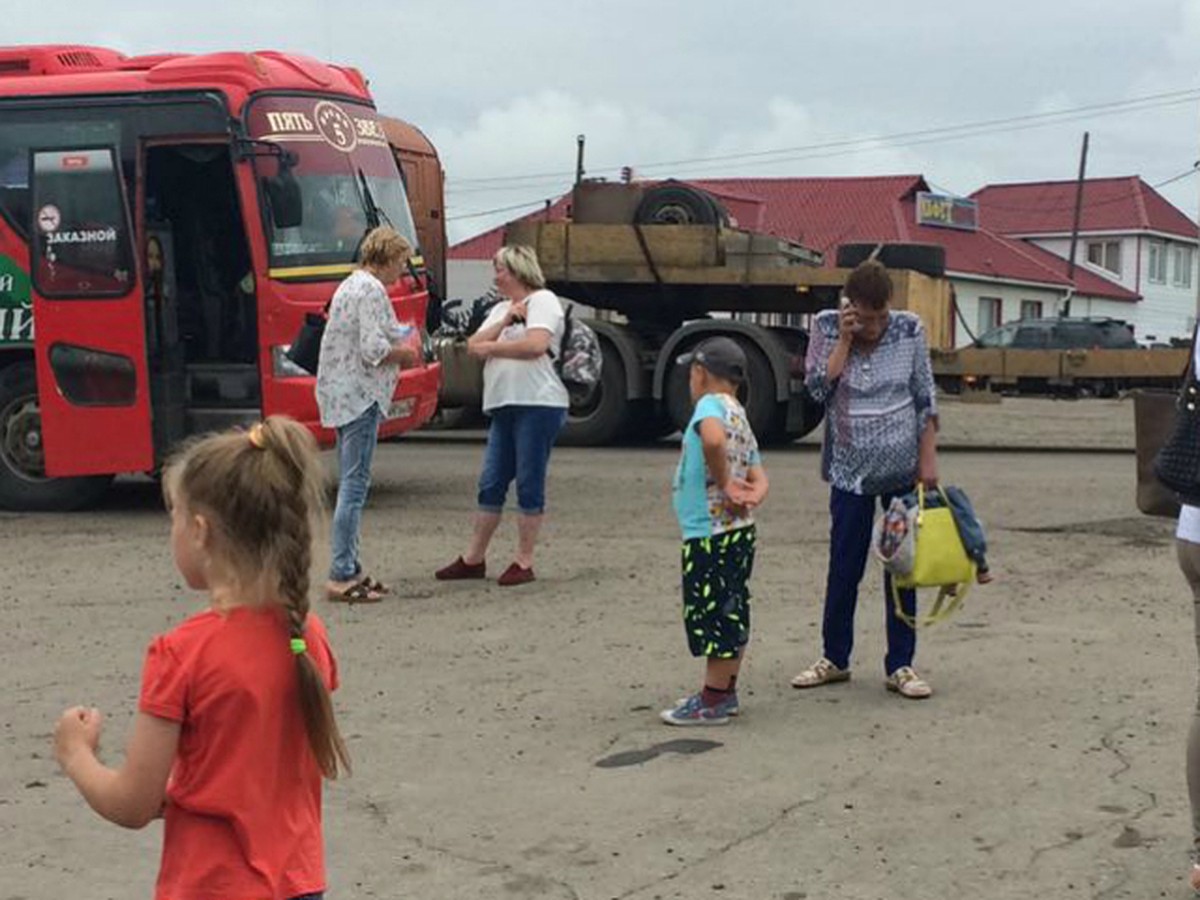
515,575
460,569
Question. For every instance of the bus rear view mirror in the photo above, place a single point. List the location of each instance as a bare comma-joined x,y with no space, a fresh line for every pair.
283,196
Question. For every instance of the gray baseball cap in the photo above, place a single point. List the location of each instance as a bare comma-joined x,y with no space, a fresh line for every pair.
722,356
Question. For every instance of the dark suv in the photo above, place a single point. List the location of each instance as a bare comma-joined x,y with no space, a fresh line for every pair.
1061,334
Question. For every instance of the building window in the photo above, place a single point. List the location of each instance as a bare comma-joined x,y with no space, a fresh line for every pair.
1182,276
1105,254
1158,262
1031,309
989,314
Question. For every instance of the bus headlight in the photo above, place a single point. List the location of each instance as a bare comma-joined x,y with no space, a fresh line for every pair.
282,367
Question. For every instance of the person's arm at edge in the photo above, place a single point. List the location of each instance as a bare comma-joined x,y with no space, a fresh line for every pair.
131,795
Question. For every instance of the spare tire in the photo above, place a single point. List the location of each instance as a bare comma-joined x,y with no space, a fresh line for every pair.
928,259
678,204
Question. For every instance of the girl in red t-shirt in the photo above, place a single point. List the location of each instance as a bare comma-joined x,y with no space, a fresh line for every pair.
235,728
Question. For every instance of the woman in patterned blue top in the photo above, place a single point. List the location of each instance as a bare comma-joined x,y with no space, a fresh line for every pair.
871,367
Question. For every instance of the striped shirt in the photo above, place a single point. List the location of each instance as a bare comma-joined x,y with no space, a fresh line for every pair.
877,409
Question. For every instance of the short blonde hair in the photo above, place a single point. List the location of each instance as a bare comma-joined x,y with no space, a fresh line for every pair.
522,262
383,246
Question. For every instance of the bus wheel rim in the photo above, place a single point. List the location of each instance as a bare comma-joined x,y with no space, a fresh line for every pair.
21,447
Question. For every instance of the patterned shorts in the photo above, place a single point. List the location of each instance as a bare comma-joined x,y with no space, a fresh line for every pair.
716,592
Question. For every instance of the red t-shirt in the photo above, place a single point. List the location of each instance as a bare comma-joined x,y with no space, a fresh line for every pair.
243,811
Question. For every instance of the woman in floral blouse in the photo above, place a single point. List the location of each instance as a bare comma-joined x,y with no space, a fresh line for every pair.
871,367
362,352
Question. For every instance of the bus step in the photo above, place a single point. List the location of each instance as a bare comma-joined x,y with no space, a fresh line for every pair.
202,421
221,384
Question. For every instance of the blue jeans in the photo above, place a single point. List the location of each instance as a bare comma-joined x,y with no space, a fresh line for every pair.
851,518
970,529
355,449
518,446
320,896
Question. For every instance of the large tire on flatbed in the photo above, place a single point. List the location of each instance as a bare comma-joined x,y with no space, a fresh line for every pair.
605,416
23,482
679,204
928,259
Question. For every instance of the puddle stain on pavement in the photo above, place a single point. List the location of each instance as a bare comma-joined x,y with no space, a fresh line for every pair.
682,746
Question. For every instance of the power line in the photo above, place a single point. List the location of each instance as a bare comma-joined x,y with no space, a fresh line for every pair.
499,209
943,138
987,126
865,147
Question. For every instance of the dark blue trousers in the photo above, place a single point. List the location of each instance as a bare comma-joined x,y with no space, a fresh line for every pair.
851,517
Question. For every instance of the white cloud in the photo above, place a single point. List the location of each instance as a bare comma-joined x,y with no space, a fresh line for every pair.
503,89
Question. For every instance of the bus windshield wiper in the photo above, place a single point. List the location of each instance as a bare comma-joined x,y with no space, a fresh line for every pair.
375,215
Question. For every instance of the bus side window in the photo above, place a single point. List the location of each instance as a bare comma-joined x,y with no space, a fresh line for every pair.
82,247
14,189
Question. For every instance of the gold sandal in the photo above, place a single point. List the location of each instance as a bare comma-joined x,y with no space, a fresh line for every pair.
907,683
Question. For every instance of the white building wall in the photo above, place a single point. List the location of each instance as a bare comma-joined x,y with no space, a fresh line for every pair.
1166,309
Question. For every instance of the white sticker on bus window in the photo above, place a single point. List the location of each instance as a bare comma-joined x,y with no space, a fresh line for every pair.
49,218
90,236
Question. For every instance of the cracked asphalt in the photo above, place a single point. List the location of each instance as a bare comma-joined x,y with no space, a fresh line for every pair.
506,742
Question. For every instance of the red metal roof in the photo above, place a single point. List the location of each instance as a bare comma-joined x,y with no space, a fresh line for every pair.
1109,204
822,213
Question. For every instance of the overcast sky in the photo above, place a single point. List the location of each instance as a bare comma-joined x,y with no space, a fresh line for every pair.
503,88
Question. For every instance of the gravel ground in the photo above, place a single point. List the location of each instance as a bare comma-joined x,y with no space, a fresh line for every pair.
506,740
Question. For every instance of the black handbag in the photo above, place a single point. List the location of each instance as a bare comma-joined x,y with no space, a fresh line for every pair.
305,350
1177,464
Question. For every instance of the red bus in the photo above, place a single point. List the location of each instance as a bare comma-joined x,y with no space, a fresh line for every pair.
165,224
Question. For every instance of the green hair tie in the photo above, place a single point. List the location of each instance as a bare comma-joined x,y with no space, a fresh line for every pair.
299,646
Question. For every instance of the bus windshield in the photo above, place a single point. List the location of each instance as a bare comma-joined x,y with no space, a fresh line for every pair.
346,174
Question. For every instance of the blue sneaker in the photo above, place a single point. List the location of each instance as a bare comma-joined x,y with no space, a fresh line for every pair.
692,711
730,705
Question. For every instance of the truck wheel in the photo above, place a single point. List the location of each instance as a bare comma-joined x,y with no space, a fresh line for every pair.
23,482
765,412
605,416
677,204
928,259
650,422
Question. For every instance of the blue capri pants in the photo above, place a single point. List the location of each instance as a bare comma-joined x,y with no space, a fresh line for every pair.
518,447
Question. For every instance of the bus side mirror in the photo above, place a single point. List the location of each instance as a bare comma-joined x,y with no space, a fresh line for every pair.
283,196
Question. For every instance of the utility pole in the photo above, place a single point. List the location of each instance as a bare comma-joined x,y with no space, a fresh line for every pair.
1066,310
579,139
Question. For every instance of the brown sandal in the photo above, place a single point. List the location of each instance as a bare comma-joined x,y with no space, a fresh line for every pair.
360,592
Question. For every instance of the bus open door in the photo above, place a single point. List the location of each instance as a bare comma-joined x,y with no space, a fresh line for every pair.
90,343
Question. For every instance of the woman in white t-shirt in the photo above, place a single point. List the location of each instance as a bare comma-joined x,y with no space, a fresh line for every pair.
527,403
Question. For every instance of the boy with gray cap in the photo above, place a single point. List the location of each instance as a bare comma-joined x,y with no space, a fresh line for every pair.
719,481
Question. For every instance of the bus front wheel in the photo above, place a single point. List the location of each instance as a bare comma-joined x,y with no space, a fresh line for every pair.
24,485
